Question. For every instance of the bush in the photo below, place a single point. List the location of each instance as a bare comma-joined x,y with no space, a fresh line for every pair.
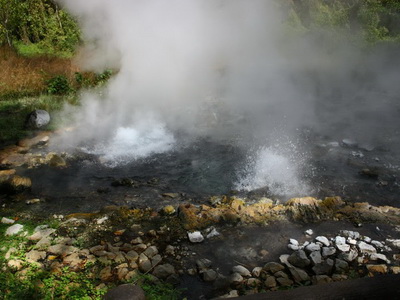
58,85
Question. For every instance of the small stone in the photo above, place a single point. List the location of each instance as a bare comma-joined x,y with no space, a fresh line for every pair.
293,247
350,234
241,270
168,210
256,272
377,269
155,260
341,266
106,274
139,247
315,257
5,220
231,294
281,274
323,240
366,248
212,233
379,256
273,267
328,251
101,220
34,255
195,237
367,239
209,275
151,251
313,247
343,247
309,232
235,278
163,271
349,256
253,282
351,241
136,241
285,281
377,244
270,282
14,229
395,269
15,264
203,264
293,242
299,259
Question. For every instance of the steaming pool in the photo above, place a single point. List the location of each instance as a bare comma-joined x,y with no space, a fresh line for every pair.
193,171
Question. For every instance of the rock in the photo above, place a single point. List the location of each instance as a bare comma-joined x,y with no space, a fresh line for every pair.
41,233
231,294
379,256
136,241
351,241
270,282
37,119
14,229
241,270
235,278
349,143
18,184
253,282
309,232
281,274
315,257
5,220
324,268
209,275
393,243
61,249
212,233
299,275
125,292
168,210
195,237
339,277
163,271
395,269
15,264
321,279
299,259
377,244
10,252
349,256
151,251
313,247
155,260
203,264
350,234
323,240
256,272
34,255
366,248
328,251
54,160
294,242
293,247
284,281
106,274
377,269
341,266
32,201
273,267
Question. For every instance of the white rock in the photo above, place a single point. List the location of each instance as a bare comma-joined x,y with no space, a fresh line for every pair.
350,234
323,240
101,220
241,270
376,256
343,247
351,241
377,244
14,229
309,232
313,247
293,247
349,256
339,240
195,237
366,248
5,220
257,271
367,239
327,251
213,233
394,243
294,242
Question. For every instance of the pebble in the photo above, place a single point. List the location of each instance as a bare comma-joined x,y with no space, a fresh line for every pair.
293,242
195,237
309,232
313,247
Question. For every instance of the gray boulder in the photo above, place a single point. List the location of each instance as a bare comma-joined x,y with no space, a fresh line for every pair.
37,119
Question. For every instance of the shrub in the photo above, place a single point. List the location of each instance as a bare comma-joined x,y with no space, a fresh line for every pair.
58,85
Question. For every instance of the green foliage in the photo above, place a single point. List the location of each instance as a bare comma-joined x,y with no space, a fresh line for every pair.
39,22
58,85
155,289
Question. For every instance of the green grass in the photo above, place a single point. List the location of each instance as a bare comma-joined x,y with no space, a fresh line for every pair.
13,113
37,49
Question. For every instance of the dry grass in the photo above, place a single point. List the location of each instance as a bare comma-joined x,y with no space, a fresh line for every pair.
21,76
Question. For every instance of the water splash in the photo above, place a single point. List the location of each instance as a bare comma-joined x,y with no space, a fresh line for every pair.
277,170
132,143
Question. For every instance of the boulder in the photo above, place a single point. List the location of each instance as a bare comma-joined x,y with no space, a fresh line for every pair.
299,259
163,271
14,229
37,119
241,270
